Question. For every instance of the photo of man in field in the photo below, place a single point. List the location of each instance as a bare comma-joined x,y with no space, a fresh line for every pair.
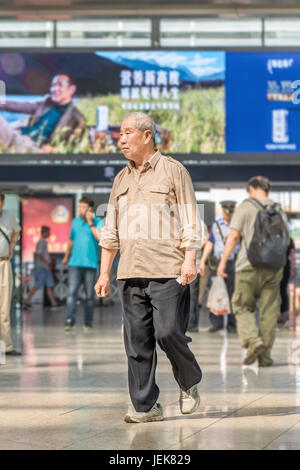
52,119
183,91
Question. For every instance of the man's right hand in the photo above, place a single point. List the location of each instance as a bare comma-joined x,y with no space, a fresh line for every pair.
102,285
65,260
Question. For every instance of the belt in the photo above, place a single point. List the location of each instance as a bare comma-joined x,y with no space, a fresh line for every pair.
4,258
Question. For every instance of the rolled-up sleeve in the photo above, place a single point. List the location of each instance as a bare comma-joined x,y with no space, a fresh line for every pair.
109,234
191,226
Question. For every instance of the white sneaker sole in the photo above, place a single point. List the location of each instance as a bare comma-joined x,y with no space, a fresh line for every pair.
130,419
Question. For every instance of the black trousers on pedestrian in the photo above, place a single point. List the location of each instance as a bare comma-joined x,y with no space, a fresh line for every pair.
194,306
156,310
218,320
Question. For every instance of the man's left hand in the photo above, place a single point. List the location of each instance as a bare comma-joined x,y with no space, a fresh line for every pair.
188,273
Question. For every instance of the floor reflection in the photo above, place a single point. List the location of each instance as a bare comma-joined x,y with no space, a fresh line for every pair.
69,390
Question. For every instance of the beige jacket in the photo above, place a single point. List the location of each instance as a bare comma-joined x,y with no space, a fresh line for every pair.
152,218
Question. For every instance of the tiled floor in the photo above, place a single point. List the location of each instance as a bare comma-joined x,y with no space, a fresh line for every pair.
69,391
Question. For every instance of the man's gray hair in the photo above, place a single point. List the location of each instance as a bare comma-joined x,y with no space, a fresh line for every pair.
143,122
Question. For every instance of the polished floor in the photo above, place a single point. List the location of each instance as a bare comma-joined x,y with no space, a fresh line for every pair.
69,391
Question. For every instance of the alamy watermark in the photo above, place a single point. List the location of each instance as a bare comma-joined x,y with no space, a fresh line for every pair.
153,221
2,92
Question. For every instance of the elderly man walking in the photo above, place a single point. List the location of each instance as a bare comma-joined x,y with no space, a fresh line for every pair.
152,219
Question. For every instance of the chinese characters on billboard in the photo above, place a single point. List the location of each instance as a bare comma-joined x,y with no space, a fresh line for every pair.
73,103
204,102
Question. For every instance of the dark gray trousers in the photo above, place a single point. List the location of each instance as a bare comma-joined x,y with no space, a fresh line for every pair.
194,306
156,310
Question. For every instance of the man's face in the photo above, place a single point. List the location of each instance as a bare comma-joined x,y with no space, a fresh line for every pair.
47,234
1,205
61,90
132,141
227,215
83,209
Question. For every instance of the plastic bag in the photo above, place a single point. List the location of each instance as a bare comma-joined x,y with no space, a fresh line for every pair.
218,300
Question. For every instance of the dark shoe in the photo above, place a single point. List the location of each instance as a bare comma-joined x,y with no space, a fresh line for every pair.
252,353
26,306
69,325
13,353
87,329
280,319
193,329
231,329
213,329
265,362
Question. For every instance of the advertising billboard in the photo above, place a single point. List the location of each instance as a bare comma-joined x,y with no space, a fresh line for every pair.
73,103
262,102
203,102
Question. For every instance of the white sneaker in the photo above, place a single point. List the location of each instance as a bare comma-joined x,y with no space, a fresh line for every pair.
189,400
155,414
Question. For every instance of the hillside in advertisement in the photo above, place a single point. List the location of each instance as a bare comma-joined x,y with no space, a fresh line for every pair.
73,103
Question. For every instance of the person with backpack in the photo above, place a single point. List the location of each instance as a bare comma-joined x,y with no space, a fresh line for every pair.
262,227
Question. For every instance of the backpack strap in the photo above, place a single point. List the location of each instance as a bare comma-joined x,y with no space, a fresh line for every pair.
275,206
256,203
259,205
5,236
221,233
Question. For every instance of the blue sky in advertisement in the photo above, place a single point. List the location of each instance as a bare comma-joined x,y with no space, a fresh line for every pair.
196,65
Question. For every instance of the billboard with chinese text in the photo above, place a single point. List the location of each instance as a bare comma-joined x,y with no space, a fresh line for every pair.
204,102
73,103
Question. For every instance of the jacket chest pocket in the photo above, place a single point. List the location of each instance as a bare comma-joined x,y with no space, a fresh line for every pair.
122,196
159,194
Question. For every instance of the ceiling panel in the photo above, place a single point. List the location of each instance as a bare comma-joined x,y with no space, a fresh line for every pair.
80,8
